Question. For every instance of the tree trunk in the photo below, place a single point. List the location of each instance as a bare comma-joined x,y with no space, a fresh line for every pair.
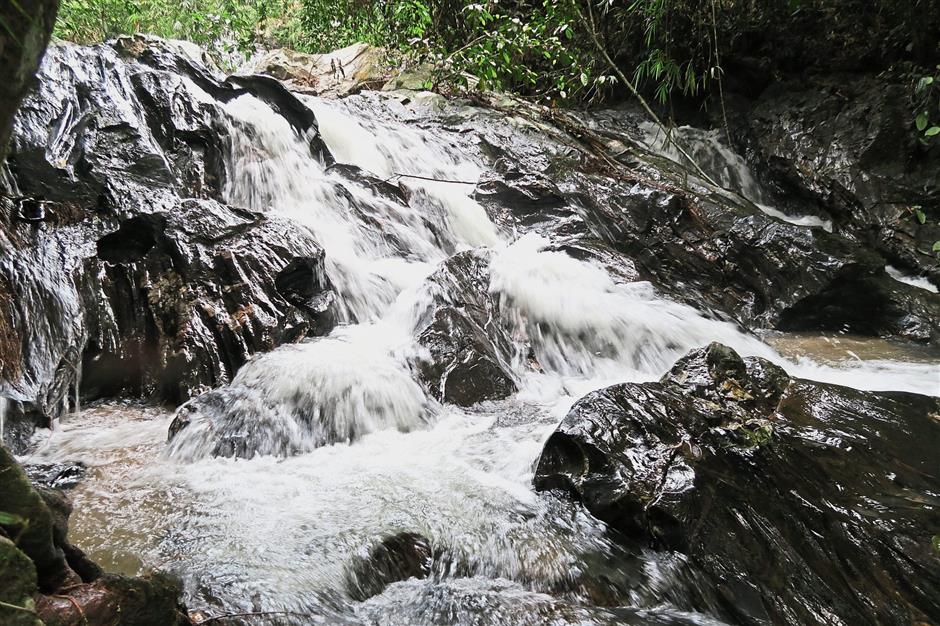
25,28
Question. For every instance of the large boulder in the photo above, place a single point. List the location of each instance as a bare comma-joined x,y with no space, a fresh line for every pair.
122,270
848,146
468,351
800,502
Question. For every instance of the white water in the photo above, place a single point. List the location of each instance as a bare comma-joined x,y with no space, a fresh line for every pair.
279,534
726,167
916,281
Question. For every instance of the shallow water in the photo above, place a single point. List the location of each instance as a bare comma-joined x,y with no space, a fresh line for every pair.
280,534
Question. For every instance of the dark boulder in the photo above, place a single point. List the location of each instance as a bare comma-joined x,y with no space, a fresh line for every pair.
847,145
469,351
710,248
800,502
395,558
64,475
328,390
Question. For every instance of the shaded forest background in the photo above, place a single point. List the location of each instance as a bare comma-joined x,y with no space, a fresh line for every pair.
553,49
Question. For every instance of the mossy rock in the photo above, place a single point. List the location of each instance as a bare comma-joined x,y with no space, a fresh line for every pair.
17,586
36,529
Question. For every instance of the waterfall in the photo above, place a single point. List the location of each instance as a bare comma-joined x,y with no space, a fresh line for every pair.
355,448
586,329
726,167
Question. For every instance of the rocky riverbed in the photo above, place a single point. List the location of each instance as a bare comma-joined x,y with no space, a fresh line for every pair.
392,358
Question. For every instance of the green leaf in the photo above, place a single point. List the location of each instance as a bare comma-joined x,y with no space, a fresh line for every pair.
584,79
922,84
921,121
936,248
932,131
921,216
9,519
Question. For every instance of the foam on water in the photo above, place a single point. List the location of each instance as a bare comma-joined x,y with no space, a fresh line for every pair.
916,281
272,533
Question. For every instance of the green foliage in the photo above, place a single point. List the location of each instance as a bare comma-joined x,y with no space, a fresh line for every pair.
927,106
541,55
543,49
224,25
537,47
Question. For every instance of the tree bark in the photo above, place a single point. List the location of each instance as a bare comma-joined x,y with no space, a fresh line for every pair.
25,28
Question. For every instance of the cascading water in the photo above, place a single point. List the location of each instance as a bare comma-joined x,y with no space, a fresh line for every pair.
726,167
280,534
916,281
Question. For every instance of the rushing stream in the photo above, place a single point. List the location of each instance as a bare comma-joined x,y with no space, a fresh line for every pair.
284,534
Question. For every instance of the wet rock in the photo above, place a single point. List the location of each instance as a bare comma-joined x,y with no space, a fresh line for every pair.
338,73
235,422
56,475
800,502
849,147
468,350
704,246
300,397
397,557
33,524
756,269
146,601
135,278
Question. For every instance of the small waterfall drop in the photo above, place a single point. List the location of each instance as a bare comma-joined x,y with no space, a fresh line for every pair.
916,281
725,166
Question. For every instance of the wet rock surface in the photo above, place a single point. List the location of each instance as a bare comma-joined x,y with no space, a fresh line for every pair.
395,558
706,246
56,475
469,350
799,500
119,259
848,148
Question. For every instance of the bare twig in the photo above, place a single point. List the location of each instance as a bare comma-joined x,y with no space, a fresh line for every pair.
216,618
7,605
592,30
721,92
436,180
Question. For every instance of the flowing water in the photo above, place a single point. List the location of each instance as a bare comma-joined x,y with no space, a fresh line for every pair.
283,534
724,166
